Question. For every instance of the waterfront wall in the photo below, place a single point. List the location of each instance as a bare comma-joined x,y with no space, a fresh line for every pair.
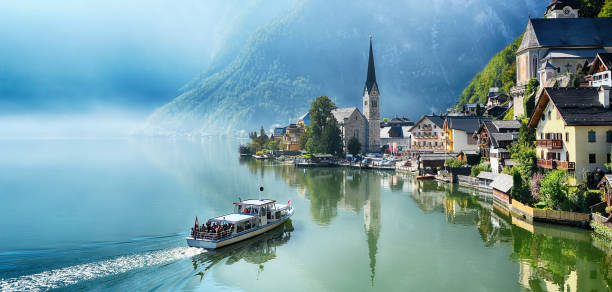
551,216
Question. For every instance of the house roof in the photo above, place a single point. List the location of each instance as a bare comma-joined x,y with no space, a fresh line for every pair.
437,156
502,183
469,124
344,113
384,132
567,32
496,111
280,131
437,120
511,125
487,175
577,106
305,118
510,162
603,58
572,54
500,137
548,65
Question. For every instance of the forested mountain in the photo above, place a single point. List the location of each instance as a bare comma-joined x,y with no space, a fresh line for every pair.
424,55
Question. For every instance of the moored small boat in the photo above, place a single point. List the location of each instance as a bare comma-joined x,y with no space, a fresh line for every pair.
251,217
426,176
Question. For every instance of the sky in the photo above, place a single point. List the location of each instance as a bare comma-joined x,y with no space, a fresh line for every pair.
79,65
75,57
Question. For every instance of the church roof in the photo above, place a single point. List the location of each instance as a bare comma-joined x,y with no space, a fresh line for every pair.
567,32
371,77
344,113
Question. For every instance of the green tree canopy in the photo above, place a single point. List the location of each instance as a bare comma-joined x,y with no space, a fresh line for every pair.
354,147
554,190
324,134
606,10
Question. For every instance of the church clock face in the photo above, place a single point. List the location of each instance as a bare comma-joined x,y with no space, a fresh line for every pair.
566,11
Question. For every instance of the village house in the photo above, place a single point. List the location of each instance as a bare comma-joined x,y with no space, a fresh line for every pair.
573,129
459,131
496,98
473,109
557,46
599,73
395,134
278,134
493,139
291,138
428,134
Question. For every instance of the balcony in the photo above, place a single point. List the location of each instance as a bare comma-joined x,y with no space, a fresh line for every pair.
601,78
550,144
556,164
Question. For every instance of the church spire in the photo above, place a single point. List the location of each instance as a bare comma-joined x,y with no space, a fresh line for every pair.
371,77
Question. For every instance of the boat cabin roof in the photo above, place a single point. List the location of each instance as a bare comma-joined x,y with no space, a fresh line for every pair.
255,202
232,218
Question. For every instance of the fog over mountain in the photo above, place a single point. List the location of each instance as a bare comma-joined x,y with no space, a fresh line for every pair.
220,66
425,54
73,57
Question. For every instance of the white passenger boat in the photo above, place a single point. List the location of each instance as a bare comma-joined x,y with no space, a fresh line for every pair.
250,218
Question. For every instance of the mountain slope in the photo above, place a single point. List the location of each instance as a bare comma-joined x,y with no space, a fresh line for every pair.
501,69
424,55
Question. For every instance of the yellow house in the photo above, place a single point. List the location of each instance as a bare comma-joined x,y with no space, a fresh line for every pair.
459,132
573,129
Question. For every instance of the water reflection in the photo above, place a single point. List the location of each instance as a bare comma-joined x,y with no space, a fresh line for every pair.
257,250
549,258
329,189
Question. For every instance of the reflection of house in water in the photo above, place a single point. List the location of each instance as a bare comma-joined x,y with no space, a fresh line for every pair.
555,258
428,201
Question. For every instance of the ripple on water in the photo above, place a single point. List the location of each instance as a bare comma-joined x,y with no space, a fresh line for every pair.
63,277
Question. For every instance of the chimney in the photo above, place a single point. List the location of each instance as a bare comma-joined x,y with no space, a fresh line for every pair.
604,96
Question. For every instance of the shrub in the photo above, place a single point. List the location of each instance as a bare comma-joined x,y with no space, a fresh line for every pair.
554,190
478,168
454,162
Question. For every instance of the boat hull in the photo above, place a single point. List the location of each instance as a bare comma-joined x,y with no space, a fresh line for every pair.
214,244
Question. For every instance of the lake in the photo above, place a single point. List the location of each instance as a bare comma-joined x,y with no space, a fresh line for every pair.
112,214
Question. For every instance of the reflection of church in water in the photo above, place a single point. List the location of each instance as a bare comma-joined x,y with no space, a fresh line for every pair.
363,190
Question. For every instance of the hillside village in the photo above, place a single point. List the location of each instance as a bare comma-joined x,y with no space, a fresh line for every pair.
552,130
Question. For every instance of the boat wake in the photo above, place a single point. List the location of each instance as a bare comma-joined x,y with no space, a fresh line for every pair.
63,277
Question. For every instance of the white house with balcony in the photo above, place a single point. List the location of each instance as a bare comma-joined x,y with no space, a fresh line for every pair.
428,134
600,70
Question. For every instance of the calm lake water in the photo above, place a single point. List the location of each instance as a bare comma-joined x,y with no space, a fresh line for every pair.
113,214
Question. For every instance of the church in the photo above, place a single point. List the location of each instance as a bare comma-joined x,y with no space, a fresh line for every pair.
364,126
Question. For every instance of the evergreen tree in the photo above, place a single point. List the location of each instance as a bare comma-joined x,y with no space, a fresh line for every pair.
354,147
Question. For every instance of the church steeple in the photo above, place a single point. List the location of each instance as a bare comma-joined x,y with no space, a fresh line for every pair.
371,106
371,77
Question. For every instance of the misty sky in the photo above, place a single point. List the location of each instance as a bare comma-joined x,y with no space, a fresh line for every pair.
67,61
78,56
